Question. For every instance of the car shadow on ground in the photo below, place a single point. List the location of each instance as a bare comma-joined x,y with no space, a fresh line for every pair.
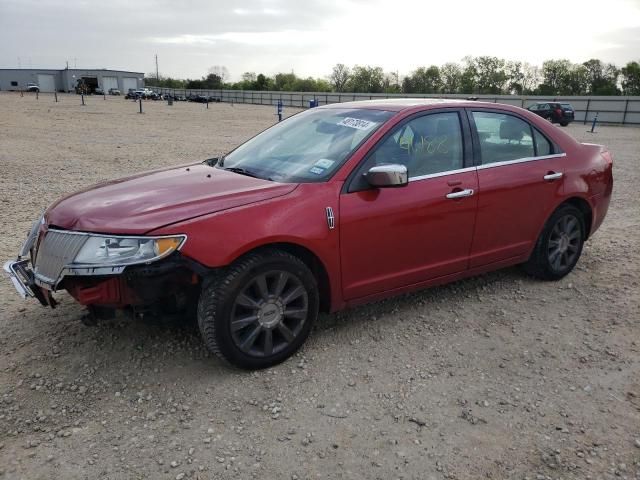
177,339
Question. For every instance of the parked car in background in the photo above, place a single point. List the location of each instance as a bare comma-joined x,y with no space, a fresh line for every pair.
114,91
99,91
555,112
32,87
333,207
143,93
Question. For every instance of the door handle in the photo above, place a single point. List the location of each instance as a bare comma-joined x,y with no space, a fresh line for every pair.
460,194
551,176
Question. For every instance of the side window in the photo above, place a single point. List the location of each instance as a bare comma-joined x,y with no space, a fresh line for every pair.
543,146
502,137
425,145
14,84
534,107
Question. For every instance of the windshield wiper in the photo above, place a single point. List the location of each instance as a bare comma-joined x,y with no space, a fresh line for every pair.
242,171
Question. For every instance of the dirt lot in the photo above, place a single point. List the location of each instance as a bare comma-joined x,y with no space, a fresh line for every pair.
499,376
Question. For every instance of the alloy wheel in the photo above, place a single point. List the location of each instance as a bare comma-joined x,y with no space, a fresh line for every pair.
268,314
564,243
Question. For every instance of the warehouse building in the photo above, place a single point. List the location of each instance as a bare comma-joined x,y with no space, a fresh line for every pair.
67,79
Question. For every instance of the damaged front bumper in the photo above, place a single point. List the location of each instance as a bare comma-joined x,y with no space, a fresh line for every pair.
23,280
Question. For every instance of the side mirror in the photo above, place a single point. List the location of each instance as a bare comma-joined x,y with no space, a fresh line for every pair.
385,176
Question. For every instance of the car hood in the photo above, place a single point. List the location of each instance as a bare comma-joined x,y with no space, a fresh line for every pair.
145,202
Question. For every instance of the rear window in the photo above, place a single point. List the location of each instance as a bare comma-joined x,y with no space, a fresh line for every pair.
502,137
566,106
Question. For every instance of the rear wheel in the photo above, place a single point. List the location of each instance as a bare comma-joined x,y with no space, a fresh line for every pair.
260,310
564,124
559,246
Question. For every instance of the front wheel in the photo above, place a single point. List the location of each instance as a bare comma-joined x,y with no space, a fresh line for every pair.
260,310
564,124
559,246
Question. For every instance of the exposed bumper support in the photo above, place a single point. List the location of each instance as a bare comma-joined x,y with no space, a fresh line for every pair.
18,272
24,282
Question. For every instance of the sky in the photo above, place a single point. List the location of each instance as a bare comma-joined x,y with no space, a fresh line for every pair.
309,36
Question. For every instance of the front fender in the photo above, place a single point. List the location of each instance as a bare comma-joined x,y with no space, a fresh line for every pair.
299,218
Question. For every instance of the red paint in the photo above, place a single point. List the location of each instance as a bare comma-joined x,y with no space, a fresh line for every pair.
385,242
111,291
144,202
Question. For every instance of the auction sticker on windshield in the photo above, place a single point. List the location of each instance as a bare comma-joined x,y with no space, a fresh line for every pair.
357,123
324,163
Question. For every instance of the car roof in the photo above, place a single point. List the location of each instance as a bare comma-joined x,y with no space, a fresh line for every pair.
401,104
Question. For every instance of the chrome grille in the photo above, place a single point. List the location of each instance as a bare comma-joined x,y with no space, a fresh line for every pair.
56,250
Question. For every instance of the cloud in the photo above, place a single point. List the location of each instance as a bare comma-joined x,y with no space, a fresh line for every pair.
309,37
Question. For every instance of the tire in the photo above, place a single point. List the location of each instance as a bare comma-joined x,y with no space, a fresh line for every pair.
245,305
559,246
564,124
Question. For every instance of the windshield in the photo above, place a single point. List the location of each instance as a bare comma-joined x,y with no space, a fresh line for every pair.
308,147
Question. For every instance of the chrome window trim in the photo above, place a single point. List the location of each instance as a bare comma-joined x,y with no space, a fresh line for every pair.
520,160
442,174
485,166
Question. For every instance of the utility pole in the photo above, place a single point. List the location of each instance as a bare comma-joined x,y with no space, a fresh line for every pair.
157,74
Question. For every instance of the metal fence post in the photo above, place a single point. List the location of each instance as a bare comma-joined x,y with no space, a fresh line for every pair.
55,94
140,104
624,115
593,125
586,113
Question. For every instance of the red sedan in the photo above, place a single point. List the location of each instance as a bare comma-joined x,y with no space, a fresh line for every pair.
333,207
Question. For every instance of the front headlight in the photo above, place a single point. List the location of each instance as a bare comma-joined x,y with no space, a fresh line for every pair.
121,251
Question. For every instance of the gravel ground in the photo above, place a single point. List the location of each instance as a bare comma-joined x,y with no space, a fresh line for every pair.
498,376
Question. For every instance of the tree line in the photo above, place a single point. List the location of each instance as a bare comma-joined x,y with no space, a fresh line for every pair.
474,75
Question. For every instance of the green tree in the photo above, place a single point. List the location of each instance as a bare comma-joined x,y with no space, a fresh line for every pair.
468,78
602,79
285,81
531,78
576,82
391,82
631,78
491,75
366,79
423,80
262,82
515,77
340,77
451,77
555,77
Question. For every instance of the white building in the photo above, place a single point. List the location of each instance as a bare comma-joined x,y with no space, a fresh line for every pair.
66,80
